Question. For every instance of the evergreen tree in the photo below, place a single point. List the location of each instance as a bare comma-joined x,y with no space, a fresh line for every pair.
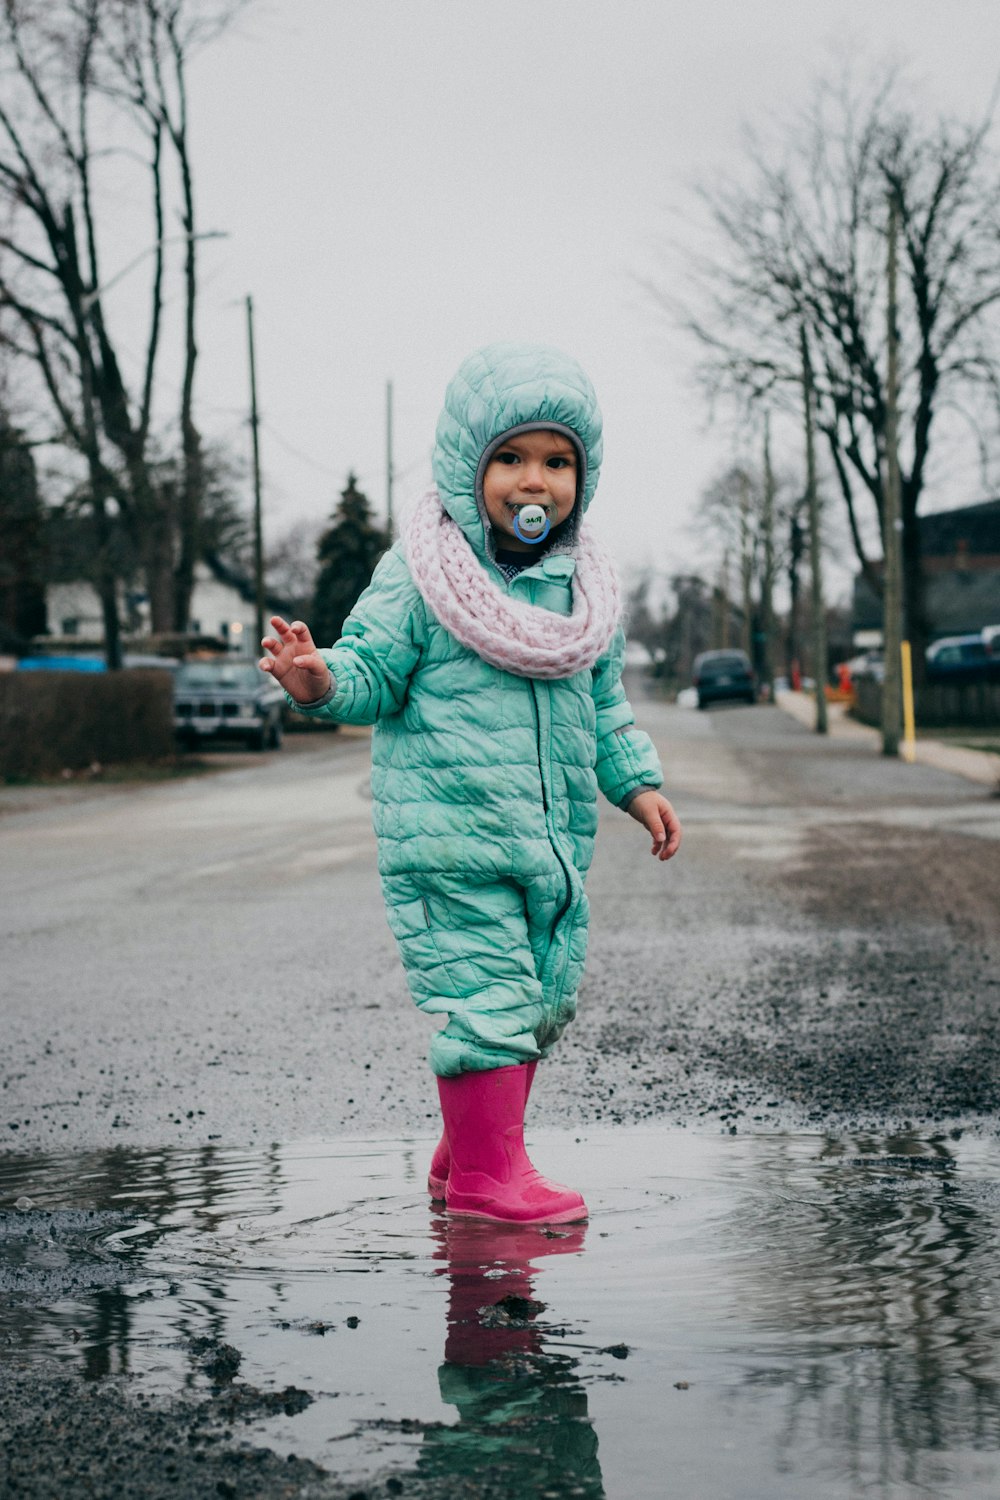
348,551
22,519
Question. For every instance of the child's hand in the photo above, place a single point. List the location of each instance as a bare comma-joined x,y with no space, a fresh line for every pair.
655,813
295,662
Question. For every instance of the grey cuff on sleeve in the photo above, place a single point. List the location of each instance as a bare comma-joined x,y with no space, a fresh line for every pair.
328,697
630,798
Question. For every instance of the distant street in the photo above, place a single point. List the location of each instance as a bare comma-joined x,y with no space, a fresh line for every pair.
208,959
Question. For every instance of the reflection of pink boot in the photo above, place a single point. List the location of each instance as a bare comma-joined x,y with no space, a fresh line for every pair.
490,1175
437,1177
491,1273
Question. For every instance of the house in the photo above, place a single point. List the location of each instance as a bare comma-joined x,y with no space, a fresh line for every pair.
223,609
961,562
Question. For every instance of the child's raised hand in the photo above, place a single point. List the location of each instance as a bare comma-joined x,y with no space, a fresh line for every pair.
294,660
655,813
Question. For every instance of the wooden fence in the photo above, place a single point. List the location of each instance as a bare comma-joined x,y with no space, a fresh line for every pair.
967,705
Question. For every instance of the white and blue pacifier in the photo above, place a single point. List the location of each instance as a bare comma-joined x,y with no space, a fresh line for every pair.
532,524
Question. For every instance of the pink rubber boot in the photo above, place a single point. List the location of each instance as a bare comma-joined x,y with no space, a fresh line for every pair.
437,1177
491,1176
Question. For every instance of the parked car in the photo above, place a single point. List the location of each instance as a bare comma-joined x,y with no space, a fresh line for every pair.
724,674
962,658
227,700
867,664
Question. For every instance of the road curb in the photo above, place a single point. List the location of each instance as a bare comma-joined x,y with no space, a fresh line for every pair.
975,765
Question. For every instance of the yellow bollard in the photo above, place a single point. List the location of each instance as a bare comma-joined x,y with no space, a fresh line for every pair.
908,749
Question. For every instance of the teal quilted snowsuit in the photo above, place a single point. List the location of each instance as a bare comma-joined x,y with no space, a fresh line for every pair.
485,783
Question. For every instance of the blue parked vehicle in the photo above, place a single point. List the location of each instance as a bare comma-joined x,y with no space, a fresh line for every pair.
962,658
724,674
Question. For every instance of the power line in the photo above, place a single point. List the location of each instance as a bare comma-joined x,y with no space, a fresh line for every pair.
305,458
322,468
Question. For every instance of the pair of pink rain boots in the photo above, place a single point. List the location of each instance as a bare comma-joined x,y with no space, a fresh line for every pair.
480,1167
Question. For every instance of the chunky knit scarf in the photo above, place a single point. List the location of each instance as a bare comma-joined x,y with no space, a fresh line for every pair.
509,633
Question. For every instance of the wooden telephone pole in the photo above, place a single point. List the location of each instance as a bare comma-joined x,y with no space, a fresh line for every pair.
720,606
746,568
767,582
258,542
892,524
815,558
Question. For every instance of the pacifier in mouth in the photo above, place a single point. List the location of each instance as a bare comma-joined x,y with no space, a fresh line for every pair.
531,523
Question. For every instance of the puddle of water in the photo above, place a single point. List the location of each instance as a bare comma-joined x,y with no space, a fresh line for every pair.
746,1317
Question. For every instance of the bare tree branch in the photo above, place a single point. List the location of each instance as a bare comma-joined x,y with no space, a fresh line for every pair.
804,242
133,54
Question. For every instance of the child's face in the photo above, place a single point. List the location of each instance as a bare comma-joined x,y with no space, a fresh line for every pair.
534,468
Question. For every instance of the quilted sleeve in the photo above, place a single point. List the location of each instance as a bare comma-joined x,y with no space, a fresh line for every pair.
626,759
375,657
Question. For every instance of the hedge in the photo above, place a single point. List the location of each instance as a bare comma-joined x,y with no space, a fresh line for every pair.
55,721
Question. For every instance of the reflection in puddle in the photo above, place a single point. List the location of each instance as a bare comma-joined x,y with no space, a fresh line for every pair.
749,1317
522,1409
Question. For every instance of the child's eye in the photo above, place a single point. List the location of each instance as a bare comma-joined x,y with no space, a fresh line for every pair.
558,461
506,458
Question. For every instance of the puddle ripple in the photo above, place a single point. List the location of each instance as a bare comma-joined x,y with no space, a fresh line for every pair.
774,1316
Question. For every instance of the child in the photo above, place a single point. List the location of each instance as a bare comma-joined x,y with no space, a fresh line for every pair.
488,654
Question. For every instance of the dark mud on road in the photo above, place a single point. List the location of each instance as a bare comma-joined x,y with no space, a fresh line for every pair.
829,966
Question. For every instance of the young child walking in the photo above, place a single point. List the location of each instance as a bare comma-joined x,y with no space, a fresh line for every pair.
487,652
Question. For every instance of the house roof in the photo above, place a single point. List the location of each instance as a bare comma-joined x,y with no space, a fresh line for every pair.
972,529
958,602
961,554
244,586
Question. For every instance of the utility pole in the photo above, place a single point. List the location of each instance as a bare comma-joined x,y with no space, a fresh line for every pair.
892,525
815,563
767,583
793,644
720,606
746,566
389,473
258,544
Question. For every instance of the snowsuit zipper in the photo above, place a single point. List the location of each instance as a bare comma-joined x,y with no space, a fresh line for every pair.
547,808
546,800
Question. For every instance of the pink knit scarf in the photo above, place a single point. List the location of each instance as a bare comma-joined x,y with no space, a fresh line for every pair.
508,633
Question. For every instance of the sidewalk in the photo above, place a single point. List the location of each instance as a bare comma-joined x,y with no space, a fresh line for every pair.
974,765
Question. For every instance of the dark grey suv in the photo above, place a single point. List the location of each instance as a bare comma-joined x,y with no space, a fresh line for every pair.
724,674
227,700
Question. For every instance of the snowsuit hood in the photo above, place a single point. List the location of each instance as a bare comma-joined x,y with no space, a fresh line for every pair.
502,389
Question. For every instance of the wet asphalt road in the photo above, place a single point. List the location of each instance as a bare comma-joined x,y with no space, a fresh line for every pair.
209,961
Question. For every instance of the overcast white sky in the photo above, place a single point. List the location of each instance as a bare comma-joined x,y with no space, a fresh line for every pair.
404,180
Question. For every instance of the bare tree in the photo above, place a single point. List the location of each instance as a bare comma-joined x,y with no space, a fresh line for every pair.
46,274
690,624
746,510
149,44
673,626
801,244
73,72
292,565
22,517
732,509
